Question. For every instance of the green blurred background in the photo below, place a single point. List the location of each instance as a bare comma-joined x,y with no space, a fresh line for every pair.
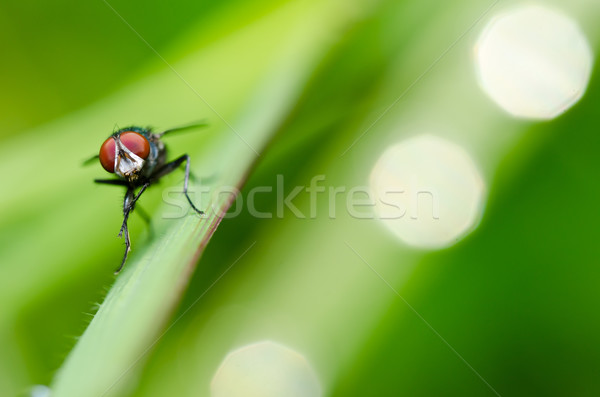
517,298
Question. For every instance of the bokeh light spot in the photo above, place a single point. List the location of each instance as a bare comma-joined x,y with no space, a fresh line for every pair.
533,61
427,191
40,391
265,369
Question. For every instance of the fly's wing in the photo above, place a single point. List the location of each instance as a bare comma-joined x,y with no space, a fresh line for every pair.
199,124
91,160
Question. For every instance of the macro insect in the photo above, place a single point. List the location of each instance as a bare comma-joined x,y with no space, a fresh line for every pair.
138,157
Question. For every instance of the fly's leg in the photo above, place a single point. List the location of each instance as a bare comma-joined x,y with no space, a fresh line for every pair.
126,209
127,247
118,182
144,215
172,166
128,205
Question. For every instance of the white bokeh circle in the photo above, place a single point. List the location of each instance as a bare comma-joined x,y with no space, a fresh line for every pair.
265,369
427,191
533,61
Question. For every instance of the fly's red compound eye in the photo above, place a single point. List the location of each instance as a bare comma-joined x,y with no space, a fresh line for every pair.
107,155
136,143
133,141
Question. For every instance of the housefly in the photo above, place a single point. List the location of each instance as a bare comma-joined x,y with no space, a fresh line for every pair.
138,157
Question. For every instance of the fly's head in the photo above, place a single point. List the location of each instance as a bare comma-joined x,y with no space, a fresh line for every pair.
125,154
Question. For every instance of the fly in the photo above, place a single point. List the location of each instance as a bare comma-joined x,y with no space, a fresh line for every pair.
138,157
